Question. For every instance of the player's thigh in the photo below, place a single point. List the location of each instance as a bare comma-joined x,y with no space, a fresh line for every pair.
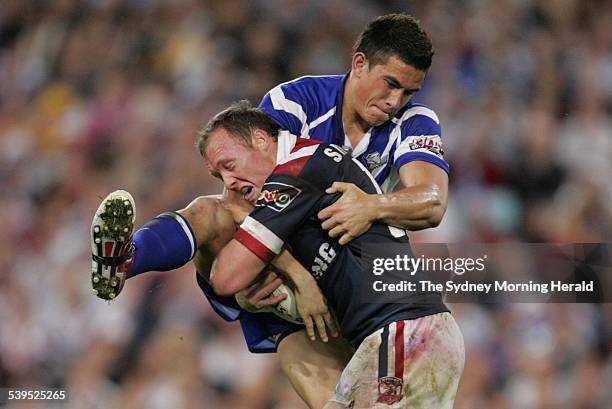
413,364
313,367
334,405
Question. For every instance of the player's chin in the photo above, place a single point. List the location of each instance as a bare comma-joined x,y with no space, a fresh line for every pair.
377,118
377,122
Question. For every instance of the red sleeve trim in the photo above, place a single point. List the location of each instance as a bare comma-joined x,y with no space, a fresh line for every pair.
254,245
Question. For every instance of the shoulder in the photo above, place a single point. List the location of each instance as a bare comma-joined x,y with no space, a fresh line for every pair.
294,161
415,112
417,119
313,82
311,161
314,87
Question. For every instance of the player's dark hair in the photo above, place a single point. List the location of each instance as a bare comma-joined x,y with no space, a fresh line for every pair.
399,35
240,119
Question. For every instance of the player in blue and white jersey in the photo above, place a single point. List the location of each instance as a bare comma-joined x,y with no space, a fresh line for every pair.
368,109
416,337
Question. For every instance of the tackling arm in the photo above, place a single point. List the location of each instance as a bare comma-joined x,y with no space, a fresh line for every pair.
235,268
420,204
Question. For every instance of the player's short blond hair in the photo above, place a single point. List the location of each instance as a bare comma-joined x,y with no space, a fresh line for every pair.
240,119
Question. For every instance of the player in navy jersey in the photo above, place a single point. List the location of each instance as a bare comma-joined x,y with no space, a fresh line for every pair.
289,176
367,109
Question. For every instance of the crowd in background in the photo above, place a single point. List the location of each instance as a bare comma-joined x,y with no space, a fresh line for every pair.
97,95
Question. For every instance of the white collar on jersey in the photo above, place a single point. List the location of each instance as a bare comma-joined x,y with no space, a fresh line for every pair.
362,145
286,142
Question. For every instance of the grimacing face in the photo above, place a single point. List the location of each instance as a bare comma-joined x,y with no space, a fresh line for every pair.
242,168
383,89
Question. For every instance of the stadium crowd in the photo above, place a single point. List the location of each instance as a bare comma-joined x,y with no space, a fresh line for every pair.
97,95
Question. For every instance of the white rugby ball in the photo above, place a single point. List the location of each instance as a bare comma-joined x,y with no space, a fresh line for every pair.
287,309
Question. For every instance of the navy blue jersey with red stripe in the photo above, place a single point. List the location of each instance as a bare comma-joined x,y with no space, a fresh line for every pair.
286,213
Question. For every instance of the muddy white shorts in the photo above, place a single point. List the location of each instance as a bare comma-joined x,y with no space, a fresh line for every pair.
412,364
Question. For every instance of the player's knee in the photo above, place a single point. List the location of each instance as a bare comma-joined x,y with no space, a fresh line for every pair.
208,219
199,212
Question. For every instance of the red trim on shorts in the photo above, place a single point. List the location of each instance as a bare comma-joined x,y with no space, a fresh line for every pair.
399,349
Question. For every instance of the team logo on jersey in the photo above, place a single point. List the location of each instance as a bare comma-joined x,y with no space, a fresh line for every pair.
389,390
277,196
374,161
432,143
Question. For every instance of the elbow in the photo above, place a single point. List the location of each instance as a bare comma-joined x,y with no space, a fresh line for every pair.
434,221
222,283
222,291
437,209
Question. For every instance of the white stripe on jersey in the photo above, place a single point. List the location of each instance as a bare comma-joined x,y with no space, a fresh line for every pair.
300,153
264,235
286,142
402,147
417,110
279,102
322,118
362,145
187,231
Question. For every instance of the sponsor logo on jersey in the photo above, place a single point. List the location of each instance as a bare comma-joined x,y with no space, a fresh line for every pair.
277,196
432,143
389,390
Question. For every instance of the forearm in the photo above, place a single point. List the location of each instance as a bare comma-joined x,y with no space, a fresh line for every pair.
294,270
412,208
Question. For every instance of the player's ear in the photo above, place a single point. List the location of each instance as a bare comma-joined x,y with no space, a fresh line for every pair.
359,64
260,139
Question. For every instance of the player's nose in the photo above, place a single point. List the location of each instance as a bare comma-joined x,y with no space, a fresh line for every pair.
394,100
229,181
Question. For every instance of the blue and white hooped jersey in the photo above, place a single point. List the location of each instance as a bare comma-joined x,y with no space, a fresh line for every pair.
311,107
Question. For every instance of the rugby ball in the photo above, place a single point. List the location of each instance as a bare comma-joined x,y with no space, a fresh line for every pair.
287,309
